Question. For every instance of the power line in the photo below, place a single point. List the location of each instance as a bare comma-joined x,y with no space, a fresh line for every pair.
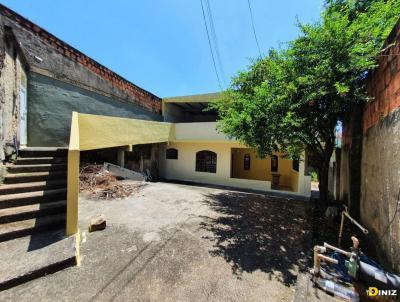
209,43
254,28
215,40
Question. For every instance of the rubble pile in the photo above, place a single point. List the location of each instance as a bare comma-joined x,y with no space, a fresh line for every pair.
98,183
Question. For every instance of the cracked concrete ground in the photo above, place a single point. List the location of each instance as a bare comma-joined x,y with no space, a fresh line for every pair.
172,242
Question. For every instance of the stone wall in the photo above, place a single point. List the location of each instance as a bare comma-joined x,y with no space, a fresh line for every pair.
13,80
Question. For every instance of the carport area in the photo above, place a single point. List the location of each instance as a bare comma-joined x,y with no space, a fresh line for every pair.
174,242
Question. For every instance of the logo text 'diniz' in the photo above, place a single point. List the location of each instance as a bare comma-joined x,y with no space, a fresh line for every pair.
373,291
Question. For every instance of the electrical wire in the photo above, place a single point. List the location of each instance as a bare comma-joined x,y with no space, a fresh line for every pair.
254,28
209,43
215,40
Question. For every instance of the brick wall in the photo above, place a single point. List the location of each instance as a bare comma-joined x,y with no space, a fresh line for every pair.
137,95
384,83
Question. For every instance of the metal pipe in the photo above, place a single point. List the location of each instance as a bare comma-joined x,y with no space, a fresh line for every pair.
327,259
318,257
334,248
364,230
341,229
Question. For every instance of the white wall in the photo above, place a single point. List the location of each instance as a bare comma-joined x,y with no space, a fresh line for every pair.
184,167
204,131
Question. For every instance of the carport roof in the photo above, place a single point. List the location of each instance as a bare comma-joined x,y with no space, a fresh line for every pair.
196,98
195,102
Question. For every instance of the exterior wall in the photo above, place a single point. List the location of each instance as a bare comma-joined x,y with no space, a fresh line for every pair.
380,166
380,187
369,161
13,79
198,132
260,168
51,102
183,168
142,158
172,113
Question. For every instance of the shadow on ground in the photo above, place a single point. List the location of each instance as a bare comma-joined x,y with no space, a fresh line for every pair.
256,232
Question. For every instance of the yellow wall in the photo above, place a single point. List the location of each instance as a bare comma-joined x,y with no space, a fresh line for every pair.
294,181
260,168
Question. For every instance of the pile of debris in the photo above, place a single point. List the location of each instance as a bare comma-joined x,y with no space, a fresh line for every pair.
98,183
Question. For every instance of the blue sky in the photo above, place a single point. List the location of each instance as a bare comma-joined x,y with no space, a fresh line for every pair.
161,45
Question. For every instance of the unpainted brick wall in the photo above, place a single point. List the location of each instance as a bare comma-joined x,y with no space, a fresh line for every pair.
384,84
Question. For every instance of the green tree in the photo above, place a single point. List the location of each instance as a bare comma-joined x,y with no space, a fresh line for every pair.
292,99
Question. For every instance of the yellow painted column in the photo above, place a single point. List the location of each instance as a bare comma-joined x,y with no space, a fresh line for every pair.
72,191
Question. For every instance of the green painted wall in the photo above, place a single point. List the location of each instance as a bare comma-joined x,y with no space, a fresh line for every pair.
50,103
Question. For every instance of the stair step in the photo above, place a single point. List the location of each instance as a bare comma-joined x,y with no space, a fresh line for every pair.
12,230
43,152
31,257
36,168
34,176
40,160
32,211
32,186
20,199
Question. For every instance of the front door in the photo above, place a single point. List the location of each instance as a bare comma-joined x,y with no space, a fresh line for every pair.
22,117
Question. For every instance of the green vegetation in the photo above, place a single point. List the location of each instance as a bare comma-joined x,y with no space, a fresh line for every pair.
294,97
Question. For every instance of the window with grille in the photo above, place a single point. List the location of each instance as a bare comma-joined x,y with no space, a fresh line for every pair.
172,153
206,161
246,162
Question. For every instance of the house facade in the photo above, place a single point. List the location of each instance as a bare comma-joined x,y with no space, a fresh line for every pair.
199,153
44,80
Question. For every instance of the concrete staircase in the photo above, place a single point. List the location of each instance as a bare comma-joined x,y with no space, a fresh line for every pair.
33,215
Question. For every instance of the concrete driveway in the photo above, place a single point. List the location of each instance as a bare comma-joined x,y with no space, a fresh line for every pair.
172,242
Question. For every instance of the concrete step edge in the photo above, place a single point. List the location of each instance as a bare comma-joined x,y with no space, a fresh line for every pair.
32,174
34,194
16,229
38,160
32,211
17,169
32,186
12,178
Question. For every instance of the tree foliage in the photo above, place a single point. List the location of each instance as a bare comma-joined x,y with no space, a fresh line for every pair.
294,97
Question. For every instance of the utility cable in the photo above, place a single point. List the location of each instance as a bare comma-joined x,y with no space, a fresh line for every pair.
215,40
254,28
209,43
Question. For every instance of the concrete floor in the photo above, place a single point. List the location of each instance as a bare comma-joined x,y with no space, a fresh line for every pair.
173,242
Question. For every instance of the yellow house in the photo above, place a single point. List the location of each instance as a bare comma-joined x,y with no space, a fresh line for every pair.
190,149
196,152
